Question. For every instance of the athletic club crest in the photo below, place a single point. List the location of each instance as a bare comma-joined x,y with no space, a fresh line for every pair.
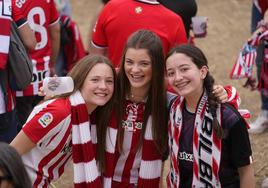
138,10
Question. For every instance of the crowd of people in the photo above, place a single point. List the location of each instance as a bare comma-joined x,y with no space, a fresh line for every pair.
142,93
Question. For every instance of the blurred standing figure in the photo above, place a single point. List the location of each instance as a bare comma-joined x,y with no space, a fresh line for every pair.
120,18
8,12
71,44
185,9
260,15
12,171
43,18
257,13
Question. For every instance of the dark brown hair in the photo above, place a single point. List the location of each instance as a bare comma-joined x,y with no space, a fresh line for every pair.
12,167
200,60
156,101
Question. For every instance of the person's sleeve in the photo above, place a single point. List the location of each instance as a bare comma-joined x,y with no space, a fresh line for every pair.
17,15
233,97
241,153
181,37
54,15
42,123
98,36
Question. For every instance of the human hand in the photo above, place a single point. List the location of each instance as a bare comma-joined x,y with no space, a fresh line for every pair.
52,71
220,93
42,93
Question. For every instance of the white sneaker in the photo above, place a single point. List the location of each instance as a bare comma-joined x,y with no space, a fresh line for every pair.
260,124
265,183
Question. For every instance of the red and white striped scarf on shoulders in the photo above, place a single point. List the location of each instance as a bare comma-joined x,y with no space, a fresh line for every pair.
5,20
86,173
206,145
151,163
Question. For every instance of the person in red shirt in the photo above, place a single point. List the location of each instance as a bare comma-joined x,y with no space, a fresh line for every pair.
64,128
43,18
120,18
8,12
259,14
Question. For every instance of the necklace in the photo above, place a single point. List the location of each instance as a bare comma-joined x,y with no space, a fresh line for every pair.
136,98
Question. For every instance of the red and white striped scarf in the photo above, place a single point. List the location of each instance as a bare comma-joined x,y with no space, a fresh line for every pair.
5,20
86,173
151,163
206,145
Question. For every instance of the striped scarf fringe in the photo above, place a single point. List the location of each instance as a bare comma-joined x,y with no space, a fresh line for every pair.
86,173
206,146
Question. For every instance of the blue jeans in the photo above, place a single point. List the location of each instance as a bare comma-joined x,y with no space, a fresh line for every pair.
8,126
256,16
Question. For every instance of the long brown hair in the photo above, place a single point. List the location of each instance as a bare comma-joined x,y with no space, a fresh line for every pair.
200,60
79,73
156,101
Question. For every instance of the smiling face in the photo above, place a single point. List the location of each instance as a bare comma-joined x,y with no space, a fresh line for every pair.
138,69
184,76
98,86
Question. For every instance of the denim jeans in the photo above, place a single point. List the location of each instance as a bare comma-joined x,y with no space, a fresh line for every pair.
256,16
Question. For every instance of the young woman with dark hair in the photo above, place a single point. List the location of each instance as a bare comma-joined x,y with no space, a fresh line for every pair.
209,143
12,170
137,137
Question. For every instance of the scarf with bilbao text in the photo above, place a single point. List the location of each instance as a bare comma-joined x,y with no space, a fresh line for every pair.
86,173
151,163
206,145
5,21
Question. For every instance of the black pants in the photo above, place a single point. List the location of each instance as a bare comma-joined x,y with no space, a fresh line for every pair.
25,106
9,124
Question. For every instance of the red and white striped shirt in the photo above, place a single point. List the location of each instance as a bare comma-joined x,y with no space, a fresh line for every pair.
133,166
41,15
5,17
50,128
128,162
